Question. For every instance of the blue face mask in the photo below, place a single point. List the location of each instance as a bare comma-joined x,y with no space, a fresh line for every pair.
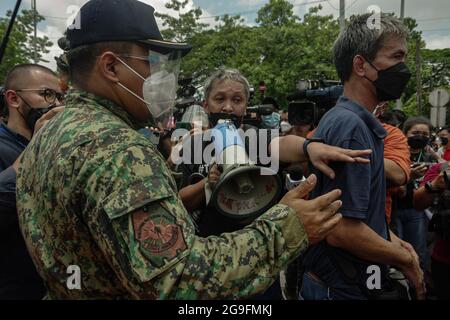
271,121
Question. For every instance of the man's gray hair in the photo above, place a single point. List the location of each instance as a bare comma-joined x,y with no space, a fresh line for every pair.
359,39
226,74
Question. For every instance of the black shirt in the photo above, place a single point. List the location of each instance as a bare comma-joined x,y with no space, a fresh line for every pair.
18,276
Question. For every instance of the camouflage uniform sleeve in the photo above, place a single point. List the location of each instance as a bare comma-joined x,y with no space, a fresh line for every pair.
149,238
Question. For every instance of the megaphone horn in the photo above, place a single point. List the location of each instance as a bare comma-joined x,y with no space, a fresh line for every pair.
242,192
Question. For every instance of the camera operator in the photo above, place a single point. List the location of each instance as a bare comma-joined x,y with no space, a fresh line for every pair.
433,192
271,121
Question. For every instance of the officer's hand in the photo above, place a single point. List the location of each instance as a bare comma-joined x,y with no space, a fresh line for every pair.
42,121
213,175
321,155
318,216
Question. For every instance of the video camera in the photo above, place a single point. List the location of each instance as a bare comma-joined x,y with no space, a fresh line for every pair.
254,113
313,99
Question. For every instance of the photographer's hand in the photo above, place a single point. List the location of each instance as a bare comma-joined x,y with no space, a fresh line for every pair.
418,171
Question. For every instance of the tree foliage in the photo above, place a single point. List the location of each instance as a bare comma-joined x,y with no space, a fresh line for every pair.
20,47
183,26
282,49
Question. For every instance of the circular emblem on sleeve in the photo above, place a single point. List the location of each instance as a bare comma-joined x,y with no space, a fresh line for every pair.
158,235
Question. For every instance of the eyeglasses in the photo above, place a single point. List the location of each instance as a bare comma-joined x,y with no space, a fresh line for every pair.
49,95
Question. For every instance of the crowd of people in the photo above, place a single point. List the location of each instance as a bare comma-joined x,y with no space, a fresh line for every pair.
88,178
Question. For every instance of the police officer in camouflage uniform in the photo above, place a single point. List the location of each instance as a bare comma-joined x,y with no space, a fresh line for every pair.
94,193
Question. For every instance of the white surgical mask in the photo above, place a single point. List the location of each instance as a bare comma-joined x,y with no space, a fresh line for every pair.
160,93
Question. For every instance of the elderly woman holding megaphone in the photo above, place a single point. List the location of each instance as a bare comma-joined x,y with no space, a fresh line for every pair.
233,193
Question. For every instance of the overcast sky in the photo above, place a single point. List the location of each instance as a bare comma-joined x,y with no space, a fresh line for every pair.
433,16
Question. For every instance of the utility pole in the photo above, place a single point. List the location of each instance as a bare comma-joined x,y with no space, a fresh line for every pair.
402,16
402,10
419,76
342,15
33,7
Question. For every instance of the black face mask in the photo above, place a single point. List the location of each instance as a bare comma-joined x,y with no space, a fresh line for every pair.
418,142
391,82
444,141
34,115
215,117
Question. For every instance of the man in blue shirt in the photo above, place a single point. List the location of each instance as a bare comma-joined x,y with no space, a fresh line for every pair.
29,92
370,63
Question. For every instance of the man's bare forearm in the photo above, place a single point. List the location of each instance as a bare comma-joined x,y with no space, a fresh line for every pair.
288,149
358,239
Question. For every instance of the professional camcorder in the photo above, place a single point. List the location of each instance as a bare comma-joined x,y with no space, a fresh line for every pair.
313,99
254,113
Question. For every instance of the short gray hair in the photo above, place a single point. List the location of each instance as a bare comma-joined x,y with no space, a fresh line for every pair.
358,39
226,74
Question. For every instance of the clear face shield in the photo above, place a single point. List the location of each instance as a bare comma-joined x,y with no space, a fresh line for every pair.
160,89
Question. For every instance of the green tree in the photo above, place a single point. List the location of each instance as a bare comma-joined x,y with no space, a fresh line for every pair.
276,13
184,26
20,47
435,71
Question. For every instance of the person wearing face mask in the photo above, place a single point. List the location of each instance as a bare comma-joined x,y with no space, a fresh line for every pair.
371,65
100,196
30,91
444,150
412,223
273,120
226,97
28,94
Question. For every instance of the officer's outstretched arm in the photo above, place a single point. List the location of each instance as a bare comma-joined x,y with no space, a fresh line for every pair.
148,237
160,257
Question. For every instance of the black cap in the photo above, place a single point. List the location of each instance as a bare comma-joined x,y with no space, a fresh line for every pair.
120,20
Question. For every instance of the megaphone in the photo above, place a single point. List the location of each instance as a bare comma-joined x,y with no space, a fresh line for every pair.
294,177
242,192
